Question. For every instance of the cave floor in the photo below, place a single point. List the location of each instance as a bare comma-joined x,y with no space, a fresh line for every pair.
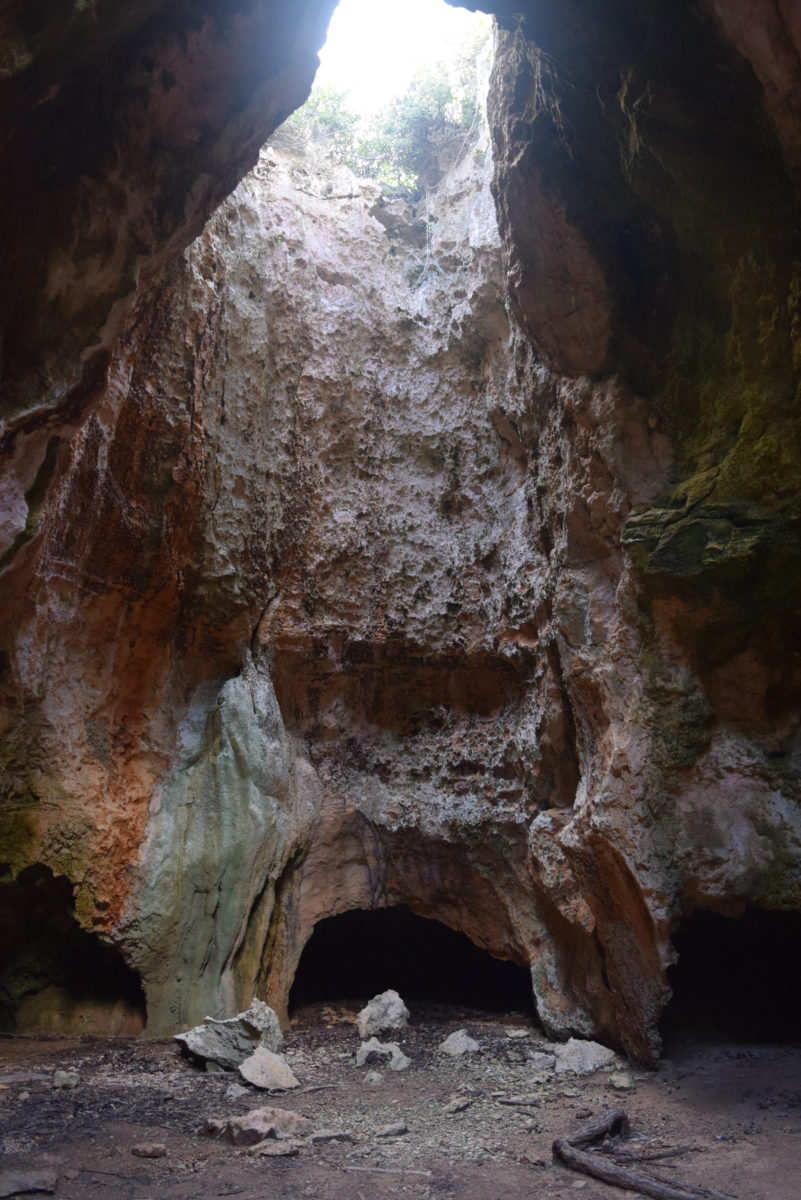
716,1115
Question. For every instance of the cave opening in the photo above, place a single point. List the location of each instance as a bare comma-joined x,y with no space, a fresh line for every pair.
356,955
55,977
736,978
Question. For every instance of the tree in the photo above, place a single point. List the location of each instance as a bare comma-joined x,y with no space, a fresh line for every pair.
401,145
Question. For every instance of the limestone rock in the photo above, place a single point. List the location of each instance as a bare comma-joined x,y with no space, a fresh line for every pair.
66,1079
386,1011
270,1149
394,1129
459,1043
259,1123
386,1053
267,1070
582,1058
323,568
229,1043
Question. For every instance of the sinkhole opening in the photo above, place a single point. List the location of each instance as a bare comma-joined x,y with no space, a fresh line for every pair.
399,93
55,977
736,979
358,954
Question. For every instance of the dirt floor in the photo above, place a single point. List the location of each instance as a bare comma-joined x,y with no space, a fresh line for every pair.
720,1116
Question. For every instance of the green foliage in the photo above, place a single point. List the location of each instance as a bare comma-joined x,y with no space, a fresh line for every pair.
325,116
401,145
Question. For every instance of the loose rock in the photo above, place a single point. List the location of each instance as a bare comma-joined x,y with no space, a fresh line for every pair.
229,1043
582,1058
622,1081
268,1149
267,1070
387,1053
66,1079
386,1011
331,1135
396,1129
150,1150
259,1123
458,1043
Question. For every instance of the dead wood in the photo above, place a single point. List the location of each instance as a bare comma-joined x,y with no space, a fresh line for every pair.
598,1167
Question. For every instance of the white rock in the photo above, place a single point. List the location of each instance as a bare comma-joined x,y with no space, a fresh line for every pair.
582,1058
375,1051
262,1123
66,1079
458,1043
622,1081
267,1070
229,1043
383,1012
271,1149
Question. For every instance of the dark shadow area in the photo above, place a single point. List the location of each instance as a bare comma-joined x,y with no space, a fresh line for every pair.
44,950
358,954
736,978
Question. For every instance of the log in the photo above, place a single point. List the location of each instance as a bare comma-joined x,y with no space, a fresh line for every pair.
568,1151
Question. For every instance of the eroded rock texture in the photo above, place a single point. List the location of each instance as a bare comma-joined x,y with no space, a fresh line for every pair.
347,586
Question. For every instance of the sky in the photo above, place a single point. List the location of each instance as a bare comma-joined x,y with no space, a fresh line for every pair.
375,46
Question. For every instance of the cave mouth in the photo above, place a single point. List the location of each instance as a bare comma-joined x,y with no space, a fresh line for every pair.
736,979
360,953
55,977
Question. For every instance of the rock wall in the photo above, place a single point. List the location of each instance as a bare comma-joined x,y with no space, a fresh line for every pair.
341,584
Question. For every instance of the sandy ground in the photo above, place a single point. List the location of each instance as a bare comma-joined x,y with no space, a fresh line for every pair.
717,1115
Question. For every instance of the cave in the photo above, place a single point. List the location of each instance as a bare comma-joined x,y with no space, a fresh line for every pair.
357,954
736,978
496,547
54,975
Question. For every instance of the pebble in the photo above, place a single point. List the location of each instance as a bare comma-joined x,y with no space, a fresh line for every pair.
150,1150
374,1077
395,1129
458,1104
331,1135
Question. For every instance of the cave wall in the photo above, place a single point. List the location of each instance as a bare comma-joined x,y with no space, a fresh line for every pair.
504,610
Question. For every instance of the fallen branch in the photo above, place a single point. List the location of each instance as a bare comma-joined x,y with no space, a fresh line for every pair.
597,1167
387,1171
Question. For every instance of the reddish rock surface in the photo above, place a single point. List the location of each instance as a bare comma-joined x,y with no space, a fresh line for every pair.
333,587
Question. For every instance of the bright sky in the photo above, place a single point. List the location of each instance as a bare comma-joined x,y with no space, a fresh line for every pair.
375,46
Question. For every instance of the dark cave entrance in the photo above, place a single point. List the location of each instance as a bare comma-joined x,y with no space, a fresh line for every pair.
736,979
360,953
55,976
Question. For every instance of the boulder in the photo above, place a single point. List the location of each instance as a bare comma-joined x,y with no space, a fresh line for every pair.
267,1070
229,1043
582,1058
386,1011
